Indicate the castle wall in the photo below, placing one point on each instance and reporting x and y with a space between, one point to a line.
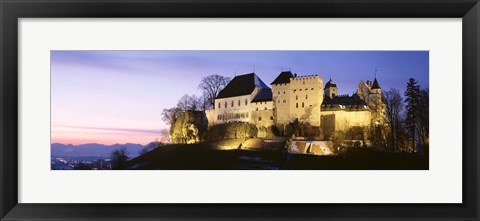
232 109
300 99
306 97
239 108
342 120
281 99
210 116
263 119
264 105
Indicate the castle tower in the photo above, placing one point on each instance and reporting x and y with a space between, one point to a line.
375 96
376 87
331 89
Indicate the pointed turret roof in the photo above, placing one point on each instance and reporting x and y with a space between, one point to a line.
375 84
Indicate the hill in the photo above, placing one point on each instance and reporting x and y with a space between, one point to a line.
93 149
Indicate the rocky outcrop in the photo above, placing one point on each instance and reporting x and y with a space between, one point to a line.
189 127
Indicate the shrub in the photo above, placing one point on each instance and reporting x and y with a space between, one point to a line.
303 129
231 130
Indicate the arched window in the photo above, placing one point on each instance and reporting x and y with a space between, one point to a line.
333 94
297 105
232 103
303 105
296 97
246 101
219 105
238 102
225 104
306 96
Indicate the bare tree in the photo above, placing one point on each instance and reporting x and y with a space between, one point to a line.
169 115
203 102
212 85
190 103
393 107
165 135
184 103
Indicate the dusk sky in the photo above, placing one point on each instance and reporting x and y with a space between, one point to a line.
113 97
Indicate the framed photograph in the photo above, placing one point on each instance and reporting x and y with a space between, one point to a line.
239 110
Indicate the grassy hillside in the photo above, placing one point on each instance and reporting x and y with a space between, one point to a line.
212 157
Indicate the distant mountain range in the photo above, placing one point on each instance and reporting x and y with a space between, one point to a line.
94 150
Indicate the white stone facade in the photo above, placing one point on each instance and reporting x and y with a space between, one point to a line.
294 97
300 99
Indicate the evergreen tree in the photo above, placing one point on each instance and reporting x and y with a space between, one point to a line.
412 98
423 121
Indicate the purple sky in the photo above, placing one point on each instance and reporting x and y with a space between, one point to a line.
117 96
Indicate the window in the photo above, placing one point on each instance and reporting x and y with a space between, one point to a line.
296 105
259 118
311 89
333 94
225 104
246 102
232 103
256 109
306 96
238 102
303 104
306 89
271 117
304 82
284 92
279 92
284 101
278 101
265 108
219 105
300 89
296 97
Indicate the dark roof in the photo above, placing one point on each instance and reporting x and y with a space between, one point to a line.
344 100
283 78
265 94
330 83
375 84
241 85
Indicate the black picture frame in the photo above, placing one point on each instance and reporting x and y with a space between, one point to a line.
12 10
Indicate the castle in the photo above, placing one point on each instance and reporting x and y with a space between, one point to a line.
247 98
